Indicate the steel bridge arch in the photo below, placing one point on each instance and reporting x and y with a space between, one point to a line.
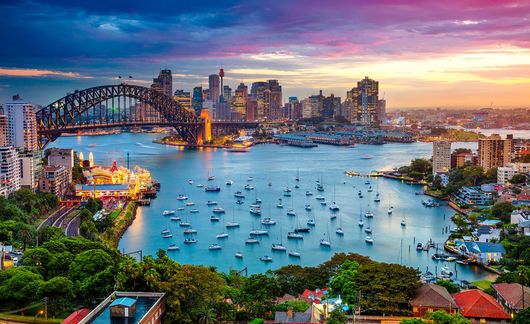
63 115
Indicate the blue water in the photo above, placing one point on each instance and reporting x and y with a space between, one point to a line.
279 165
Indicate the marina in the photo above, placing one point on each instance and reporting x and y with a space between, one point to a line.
260 169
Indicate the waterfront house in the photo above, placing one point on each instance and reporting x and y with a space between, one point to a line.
480 307
519 216
472 196
524 228
487 234
432 298
512 296
482 252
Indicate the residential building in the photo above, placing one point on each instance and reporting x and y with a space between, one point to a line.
240 99
294 109
482 252
260 91
330 106
275 99
381 111
164 82
183 98
432 298
251 109
513 297
197 100
441 156
480 307
62 157
4 128
9 170
291 316
460 160
494 152
472 196
55 179
505 173
519 215
364 102
22 124
214 87
30 168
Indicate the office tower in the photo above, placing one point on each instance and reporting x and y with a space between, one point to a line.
441 156
227 93
294 109
62 157
363 100
330 106
213 84
183 98
164 82
197 100
252 109
275 99
240 99
381 111
22 129
260 91
4 127
494 152
9 170
55 179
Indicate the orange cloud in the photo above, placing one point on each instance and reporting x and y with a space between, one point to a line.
15 72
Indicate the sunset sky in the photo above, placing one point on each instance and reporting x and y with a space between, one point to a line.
466 53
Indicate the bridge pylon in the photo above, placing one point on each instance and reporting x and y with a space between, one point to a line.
206 129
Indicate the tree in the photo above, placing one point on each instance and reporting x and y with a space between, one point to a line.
343 282
522 317
38 258
519 178
422 166
442 317
451 287
297 306
258 294
93 205
473 175
59 291
20 286
502 211
336 317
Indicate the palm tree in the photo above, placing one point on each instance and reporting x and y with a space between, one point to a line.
207 316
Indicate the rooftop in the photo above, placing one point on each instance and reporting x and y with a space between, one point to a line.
432 295
476 303
513 294
124 301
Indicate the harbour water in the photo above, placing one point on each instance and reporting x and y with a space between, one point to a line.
273 168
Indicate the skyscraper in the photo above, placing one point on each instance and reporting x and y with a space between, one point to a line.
275 99
330 106
164 82
227 93
494 152
4 127
258 90
22 124
240 99
213 84
381 111
9 170
252 109
441 156
197 100
183 98
363 100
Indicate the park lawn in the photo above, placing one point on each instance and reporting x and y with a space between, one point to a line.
28 319
482 284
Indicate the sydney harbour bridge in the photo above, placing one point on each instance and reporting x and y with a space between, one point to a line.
125 105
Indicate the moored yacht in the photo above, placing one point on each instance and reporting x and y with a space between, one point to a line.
325 242
266 258
182 197
231 225
239 194
255 210
239 255
251 240
311 222
211 203
168 212
369 240
214 247
259 232
218 210
268 221
295 236
308 193
369 214
291 212
172 247
390 210
333 207
278 247
222 235
229 182
294 254
339 231
190 240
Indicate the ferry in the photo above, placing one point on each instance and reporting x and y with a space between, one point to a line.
168 212
229 182
172 247
239 255
190 240
214 247
255 210
259 232
295 236
182 197
231 225
212 188
214 218
266 258
222 235
294 254
251 240
218 210
278 247
369 240
268 221
339 231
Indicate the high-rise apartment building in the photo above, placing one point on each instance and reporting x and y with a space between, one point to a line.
260 91
494 152
275 99
197 100
22 124
363 100
213 84
55 179
240 99
252 109
9 170
62 157
30 169
381 111
294 109
4 127
164 82
330 106
441 156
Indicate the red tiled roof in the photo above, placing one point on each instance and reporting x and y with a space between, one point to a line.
513 294
76 316
477 304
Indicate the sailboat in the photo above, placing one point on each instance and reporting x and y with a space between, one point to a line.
369 240
361 222
297 175
172 247
339 229
325 242
233 223
294 254
333 207
279 205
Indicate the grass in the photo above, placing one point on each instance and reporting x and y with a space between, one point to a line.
28 319
482 284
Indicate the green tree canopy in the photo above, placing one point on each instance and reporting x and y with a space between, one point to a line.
343 282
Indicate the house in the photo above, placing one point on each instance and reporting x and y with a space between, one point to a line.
315 295
480 307
512 296
483 252
291 316
487 234
519 215
524 228
431 298
472 196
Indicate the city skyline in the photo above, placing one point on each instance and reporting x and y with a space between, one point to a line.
456 54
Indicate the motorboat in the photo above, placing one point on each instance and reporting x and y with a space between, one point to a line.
296 186
211 178
323 203
231 225
166 231
212 188
222 235
251 240
259 232
214 247
302 230
419 246
250 178
169 235
279 205
368 230
287 189
211 203
229 182
295 254
369 240
287 194
333 207
320 198
180 208
320 187
191 203
377 198
333 216
266 258
311 222
239 194
295 236
339 231
239 255
258 201
182 197
369 214
291 212
172 247
248 187
190 231
239 202
190 181
214 218
218 210
175 219
190 240
255 210
450 259
403 222
308 193
361 223
307 207
255 206
184 224
194 211
200 185
446 272
370 189
390 210
268 221
278 247
367 182
325 243
168 212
